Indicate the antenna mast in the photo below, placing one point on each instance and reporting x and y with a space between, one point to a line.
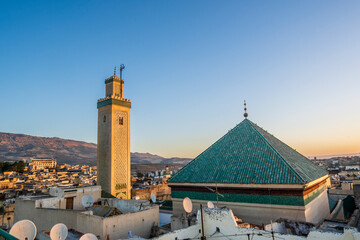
202 224
122 67
217 197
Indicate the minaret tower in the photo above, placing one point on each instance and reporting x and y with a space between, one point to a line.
113 148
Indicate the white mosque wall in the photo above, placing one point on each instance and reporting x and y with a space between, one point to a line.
318 209
313 212
249 212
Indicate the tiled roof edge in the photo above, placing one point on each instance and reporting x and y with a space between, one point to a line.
281 157
189 163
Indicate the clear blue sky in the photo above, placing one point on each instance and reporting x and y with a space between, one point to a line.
189 66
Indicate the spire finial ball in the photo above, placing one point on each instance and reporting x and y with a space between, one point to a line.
245 114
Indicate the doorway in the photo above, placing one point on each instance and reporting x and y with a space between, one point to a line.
69 203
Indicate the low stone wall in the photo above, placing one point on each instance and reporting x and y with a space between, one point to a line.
161 191
44 218
7 218
341 192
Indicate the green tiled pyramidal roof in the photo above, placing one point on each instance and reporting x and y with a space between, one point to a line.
247 154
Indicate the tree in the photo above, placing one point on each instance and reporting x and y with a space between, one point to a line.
19 166
5 166
139 175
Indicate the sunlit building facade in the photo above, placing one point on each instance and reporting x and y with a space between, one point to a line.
42 163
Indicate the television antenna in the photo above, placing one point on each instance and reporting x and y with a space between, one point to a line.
122 67
24 230
88 236
59 232
153 198
202 224
87 201
210 204
217 194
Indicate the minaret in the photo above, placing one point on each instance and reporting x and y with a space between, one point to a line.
113 148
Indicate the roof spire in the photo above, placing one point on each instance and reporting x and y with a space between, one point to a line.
245 114
115 71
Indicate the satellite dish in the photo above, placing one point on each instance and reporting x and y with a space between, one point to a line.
59 232
153 198
187 204
210 204
24 229
88 236
87 201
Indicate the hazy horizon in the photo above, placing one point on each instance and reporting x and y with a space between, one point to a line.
310 157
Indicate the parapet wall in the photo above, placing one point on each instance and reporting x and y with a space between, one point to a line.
220 224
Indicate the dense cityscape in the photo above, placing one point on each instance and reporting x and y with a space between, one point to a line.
35 177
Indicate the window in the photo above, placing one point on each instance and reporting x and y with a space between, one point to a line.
121 120
104 119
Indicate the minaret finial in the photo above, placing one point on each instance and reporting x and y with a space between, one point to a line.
115 71
245 114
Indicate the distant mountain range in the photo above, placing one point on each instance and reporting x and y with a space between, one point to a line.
22 147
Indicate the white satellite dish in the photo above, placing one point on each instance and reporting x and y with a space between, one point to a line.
187 204
88 236
87 201
59 232
210 204
153 197
24 229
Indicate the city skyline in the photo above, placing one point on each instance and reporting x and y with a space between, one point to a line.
189 67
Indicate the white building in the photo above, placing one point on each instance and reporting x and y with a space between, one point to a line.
107 218
42 163
352 167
